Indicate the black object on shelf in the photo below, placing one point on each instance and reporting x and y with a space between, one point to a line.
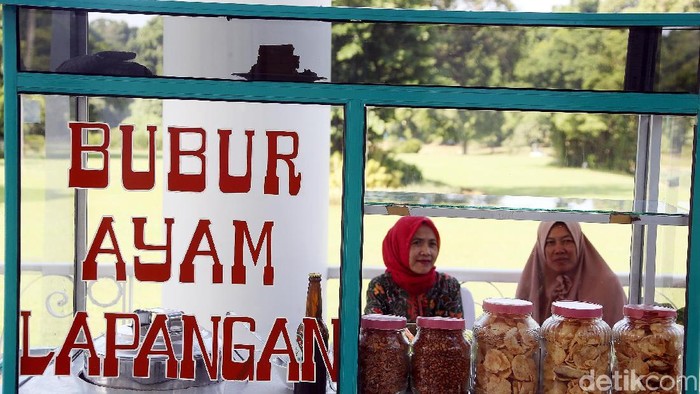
105 63
278 63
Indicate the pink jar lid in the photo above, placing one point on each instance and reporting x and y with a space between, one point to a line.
383 322
510 306
577 309
640 311
441 323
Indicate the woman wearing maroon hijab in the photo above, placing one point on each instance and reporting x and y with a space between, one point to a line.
564 265
410 286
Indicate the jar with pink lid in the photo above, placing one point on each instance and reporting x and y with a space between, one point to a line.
440 363
506 348
576 349
648 347
383 355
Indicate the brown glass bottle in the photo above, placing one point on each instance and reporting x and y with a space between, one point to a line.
314 309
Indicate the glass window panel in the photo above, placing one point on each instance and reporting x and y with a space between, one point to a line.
377 53
335 195
678 61
277 234
505 164
674 188
528 160
582 161
671 267
47 215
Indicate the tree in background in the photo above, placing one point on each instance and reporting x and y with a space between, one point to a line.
474 56
594 59
147 43
477 56
408 54
549 58
104 35
387 54
35 39
678 65
2 99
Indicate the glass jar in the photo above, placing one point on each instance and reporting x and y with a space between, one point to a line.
441 357
383 355
506 349
648 348
576 349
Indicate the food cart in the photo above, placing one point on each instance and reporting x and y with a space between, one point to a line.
223 271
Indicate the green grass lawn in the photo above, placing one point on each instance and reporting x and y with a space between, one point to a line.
466 243
519 174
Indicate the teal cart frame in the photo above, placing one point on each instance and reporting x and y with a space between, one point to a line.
355 99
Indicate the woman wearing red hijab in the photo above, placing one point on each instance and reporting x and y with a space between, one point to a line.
410 286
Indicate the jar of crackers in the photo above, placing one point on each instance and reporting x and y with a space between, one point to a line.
383 355
576 349
648 348
441 357
506 349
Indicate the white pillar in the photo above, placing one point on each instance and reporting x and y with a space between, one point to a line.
215 48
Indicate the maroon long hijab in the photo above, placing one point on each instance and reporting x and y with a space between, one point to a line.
395 250
592 279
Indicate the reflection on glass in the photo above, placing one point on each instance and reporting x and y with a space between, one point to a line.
671 246
459 165
48 238
118 63
49 209
522 160
464 201
380 53
117 44
678 60
47 216
278 63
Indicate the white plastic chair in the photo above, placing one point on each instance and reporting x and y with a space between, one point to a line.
469 313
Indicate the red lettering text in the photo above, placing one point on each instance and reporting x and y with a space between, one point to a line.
90 262
84 177
229 369
177 181
63 358
238 270
131 179
152 272
229 183
31 365
111 363
187 266
141 362
272 181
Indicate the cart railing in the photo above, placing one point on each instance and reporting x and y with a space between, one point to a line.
58 302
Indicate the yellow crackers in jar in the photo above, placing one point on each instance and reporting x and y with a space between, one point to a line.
576 349
648 347
506 348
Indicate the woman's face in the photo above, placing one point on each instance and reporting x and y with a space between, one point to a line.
424 250
560 250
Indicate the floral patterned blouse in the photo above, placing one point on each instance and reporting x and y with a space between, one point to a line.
386 297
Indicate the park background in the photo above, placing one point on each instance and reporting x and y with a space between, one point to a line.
559 155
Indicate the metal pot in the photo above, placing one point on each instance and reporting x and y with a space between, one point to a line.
157 379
